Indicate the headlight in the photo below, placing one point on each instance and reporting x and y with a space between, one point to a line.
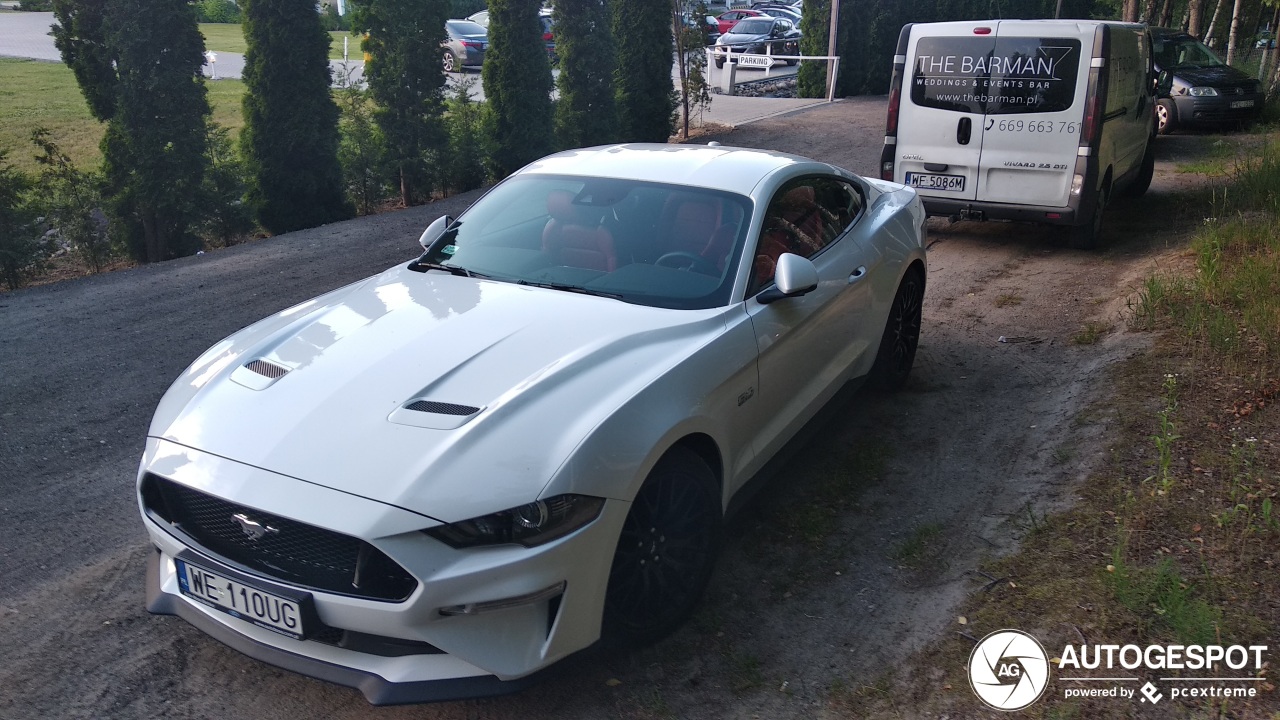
1203 92
530 525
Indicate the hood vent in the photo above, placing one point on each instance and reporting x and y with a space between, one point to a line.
441 408
259 374
433 414
267 369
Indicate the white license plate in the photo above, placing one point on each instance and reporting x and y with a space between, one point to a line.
928 181
1241 104
264 609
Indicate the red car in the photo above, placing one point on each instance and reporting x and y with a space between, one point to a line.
729 19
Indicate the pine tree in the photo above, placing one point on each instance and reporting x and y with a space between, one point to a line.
290 136
586 113
517 85
138 63
646 97
403 44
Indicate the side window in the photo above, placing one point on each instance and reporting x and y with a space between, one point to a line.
804 217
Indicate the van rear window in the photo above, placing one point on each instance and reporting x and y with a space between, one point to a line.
995 76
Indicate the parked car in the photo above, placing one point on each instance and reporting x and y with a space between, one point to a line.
759 36
782 10
435 482
466 45
1195 87
544 17
707 24
731 18
1022 119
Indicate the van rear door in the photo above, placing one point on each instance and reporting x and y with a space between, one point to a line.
1033 83
939 135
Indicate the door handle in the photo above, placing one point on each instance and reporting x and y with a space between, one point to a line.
964 130
858 274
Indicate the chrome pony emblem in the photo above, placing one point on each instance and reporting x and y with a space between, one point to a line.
252 529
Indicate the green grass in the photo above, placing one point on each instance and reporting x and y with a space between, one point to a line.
225 37
41 94
1216 163
1163 600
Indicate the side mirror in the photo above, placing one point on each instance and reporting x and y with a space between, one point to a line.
1164 83
794 276
434 231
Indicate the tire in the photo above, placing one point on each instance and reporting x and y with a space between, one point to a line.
1166 116
1089 235
450 62
666 551
1145 173
901 336
719 62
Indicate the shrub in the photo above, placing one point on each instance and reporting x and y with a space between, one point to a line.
517 86
331 21
226 217
360 146
72 202
217 11
36 5
19 243
465 121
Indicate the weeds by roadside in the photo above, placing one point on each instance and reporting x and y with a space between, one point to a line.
1176 538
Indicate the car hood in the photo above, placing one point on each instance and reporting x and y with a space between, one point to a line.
1210 76
510 379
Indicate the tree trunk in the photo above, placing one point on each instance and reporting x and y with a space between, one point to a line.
1131 10
1208 38
1149 12
1235 30
1166 15
1195 17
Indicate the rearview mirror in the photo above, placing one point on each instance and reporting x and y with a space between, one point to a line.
434 231
794 276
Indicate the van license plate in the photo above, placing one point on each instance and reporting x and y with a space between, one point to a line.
1241 104
264 609
928 181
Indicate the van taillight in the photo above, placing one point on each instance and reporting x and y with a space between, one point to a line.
982 31
895 99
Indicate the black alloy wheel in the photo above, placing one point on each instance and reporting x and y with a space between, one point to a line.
666 551
901 337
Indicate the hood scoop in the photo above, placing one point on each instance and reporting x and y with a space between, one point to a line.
259 374
433 414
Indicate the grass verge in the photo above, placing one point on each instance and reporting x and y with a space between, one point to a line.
227 37
1176 537
42 94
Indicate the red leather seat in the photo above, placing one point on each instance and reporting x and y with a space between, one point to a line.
573 240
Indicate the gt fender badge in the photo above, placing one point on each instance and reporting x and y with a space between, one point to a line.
750 393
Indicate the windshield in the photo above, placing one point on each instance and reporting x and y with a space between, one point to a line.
465 27
1184 52
645 243
753 26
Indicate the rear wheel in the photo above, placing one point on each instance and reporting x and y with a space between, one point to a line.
1166 116
901 335
450 62
665 552
1089 235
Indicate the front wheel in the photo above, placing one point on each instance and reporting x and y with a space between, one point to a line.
666 551
901 335
1166 116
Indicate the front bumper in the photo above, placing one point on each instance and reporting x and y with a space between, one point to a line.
1217 109
465 655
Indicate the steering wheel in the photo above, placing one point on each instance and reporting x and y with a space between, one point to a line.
682 260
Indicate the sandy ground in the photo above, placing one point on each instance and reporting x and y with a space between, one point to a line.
985 435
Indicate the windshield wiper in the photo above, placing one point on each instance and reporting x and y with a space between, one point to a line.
451 269
570 288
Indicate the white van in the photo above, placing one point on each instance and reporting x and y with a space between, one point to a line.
1035 120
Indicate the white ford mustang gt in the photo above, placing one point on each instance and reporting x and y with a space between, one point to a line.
440 480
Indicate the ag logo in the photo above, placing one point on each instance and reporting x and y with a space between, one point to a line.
1008 670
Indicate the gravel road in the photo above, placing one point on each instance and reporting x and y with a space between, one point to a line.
984 433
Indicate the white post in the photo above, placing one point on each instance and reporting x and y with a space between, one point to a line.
344 47
833 64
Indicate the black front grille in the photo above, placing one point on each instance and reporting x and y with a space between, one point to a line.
287 550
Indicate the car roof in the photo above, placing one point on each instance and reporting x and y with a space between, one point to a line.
732 169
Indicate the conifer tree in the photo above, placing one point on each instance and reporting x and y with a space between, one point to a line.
403 45
646 96
586 113
290 136
517 86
